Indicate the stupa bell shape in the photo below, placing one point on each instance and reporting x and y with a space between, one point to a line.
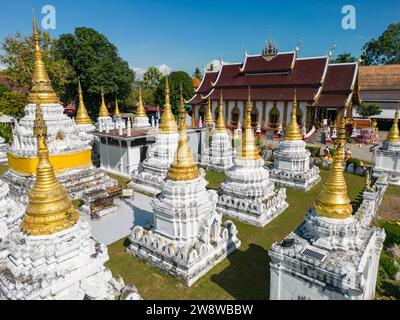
387 157
141 119
248 194
292 165
152 172
188 233
53 255
219 156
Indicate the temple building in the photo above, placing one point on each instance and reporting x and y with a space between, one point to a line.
52 255
387 157
188 237
248 194
70 155
330 255
153 171
219 156
324 90
141 119
292 165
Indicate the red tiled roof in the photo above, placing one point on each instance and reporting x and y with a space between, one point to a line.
379 77
334 100
204 87
257 64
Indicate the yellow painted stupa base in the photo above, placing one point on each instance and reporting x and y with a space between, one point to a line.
62 163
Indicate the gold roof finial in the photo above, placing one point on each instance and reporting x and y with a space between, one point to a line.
209 117
140 112
220 121
249 148
393 135
168 124
182 111
82 116
293 132
333 200
116 111
49 209
183 168
103 108
41 84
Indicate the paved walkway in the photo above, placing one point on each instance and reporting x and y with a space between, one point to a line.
117 225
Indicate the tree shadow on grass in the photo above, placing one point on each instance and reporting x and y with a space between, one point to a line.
247 276
357 201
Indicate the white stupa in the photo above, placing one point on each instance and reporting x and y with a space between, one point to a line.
188 236
248 194
141 119
292 165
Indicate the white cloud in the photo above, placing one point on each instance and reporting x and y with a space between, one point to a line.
138 72
164 69
216 64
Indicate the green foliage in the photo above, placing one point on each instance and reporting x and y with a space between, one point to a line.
3 89
152 78
392 230
18 57
12 103
356 162
98 64
387 263
384 50
380 279
5 132
77 203
344 57
175 79
368 110
313 150
133 97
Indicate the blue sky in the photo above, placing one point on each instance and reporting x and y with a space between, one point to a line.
187 34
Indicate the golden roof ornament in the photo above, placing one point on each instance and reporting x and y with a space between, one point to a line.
116 111
249 148
393 135
168 124
182 111
293 132
220 121
103 108
82 116
209 117
41 90
333 200
49 209
183 168
140 112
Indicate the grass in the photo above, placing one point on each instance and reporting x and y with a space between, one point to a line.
214 179
245 273
389 208
3 168
121 180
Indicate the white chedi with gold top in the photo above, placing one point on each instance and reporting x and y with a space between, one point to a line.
248 194
152 172
292 165
188 237
219 156
387 157
141 119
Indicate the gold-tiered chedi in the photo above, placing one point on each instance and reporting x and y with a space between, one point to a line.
49 209
209 120
82 116
117 113
249 149
103 108
141 119
168 124
394 135
293 132
220 120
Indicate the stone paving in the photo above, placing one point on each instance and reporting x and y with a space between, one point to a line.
115 226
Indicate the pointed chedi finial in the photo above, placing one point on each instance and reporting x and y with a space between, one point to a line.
184 167
41 84
117 113
140 112
220 121
393 135
82 116
209 117
182 111
293 132
333 200
49 209
168 124
249 148
103 108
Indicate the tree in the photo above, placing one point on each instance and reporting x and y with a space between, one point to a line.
147 95
175 79
344 57
197 74
98 64
19 60
368 110
152 78
12 103
385 50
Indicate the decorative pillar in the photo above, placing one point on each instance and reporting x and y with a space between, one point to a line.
285 114
264 109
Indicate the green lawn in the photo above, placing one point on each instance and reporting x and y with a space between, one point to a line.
3 169
244 274
214 179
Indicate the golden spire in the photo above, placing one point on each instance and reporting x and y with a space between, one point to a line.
140 112
116 111
103 108
209 118
220 121
393 135
41 85
182 111
341 134
82 116
293 132
193 117
333 201
183 168
168 124
249 148
49 209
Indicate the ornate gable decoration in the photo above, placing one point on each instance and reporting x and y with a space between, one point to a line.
270 50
